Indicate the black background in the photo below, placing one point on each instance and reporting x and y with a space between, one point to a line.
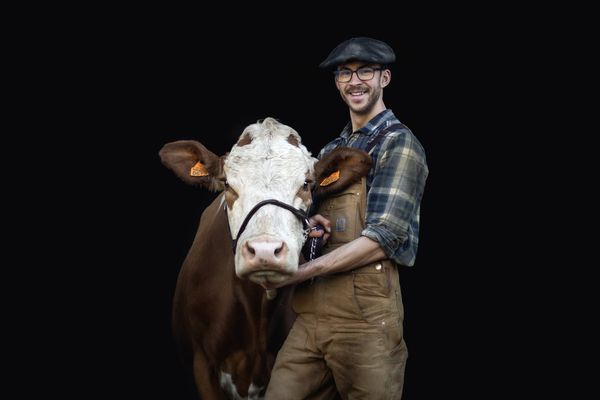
124 88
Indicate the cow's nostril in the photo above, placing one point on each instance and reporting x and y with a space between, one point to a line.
278 250
250 249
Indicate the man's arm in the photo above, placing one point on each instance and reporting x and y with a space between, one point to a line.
361 251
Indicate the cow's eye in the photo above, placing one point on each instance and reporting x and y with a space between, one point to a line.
223 179
306 185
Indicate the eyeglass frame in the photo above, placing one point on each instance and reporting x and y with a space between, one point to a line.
336 73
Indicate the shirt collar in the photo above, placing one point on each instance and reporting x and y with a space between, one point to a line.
376 123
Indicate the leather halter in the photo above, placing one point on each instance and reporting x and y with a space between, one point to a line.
297 212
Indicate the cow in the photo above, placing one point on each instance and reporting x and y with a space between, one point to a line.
227 327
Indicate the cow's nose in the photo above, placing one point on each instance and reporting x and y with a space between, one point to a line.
264 254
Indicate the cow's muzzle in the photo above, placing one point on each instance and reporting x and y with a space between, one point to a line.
265 259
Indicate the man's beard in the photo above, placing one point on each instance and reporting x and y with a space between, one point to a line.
373 95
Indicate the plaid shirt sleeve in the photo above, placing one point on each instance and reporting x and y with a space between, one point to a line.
393 203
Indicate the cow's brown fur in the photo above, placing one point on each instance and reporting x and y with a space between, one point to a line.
353 164
244 140
293 140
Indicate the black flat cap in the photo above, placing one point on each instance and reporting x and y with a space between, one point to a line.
360 49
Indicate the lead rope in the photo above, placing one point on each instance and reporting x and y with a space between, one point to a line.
315 243
313 249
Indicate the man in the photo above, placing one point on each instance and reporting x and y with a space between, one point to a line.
348 338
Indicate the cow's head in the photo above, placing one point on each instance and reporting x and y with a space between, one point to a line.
268 162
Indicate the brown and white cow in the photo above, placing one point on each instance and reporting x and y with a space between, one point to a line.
227 327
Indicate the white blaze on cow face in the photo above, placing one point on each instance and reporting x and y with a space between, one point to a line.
268 162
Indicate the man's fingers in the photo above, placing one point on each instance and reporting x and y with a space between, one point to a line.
318 219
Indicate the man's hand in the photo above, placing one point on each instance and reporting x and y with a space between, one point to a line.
321 227
317 237
316 220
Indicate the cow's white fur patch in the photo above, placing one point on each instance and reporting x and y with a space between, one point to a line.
232 393
269 167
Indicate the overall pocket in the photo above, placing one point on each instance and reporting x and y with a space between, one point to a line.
343 210
374 295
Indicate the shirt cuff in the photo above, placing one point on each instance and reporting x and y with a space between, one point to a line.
389 241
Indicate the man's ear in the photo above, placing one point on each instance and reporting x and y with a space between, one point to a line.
193 163
386 77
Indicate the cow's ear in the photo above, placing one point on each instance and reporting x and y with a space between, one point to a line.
193 163
339 169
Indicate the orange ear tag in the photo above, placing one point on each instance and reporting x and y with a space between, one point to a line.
330 179
198 170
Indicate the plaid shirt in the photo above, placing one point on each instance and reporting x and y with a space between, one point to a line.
395 185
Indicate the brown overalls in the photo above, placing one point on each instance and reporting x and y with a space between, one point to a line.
348 336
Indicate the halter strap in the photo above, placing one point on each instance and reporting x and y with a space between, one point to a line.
297 212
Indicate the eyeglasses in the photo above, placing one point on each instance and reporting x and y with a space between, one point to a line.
363 73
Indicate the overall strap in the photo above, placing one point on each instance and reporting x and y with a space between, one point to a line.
381 134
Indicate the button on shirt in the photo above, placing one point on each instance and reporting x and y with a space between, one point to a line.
395 184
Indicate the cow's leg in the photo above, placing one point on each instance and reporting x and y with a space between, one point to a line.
207 381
